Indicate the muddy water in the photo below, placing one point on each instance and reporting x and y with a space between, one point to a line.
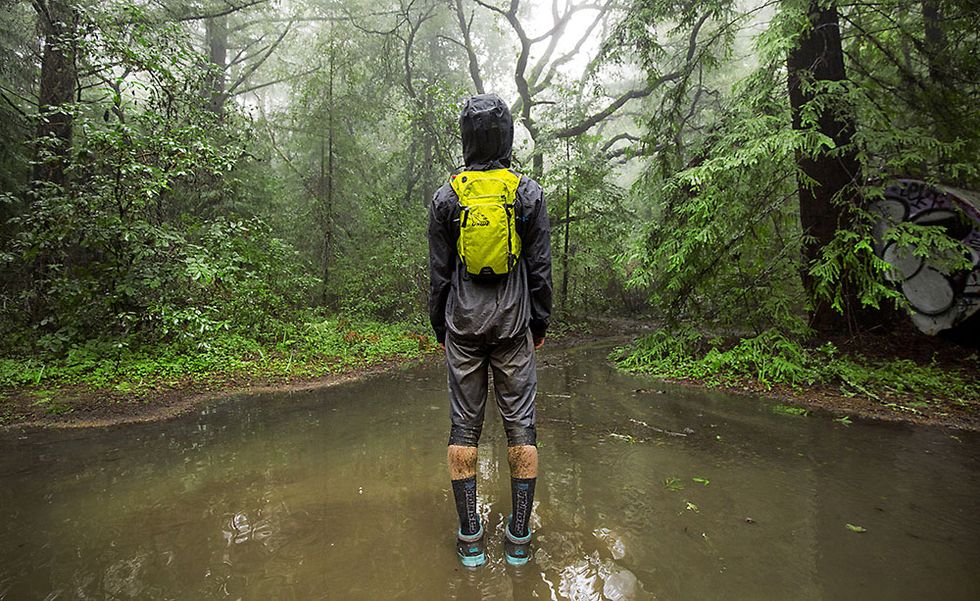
342 494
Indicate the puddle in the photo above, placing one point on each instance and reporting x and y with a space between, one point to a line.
648 491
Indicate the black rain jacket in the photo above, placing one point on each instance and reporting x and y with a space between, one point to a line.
481 310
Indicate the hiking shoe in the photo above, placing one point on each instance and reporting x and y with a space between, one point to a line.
517 549
470 548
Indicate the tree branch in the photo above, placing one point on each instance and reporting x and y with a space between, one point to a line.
232 8
12 104
561 60
275 146
587 123
467 44
561 20
258 63
275 81
500 11
617 138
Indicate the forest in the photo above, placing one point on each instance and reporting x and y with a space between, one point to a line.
209 192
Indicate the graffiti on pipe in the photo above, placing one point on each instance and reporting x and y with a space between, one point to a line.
938 301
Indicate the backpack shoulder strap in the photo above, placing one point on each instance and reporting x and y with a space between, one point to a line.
521 206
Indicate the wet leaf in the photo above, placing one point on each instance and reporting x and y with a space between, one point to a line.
673 484
692 507
790 410
854 528
700 480
843 420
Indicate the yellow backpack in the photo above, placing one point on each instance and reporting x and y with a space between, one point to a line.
488 242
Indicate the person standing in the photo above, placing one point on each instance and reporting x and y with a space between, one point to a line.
490 297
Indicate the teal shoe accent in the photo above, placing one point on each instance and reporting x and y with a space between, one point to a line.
473 561
518 555
470 549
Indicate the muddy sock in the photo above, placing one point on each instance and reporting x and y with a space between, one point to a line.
465 492
522 497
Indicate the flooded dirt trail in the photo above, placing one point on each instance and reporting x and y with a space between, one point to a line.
647 491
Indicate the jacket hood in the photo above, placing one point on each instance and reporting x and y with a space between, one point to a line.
488 132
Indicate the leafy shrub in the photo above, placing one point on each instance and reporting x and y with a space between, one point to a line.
771 358
302 348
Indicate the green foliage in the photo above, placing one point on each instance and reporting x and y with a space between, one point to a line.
723 222
585 196
875 378
721 230
933 243
362 224
298 349
769 358
662 354
389 278
913 92
641 33
156 282
773 359
147 243
849 263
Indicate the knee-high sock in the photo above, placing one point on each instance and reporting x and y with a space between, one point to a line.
465 492
522 497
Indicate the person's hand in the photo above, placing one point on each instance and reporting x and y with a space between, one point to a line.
538 342
442 345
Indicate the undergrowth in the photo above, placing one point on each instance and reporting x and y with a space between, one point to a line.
311 348
772 358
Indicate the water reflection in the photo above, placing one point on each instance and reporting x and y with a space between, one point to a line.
342 494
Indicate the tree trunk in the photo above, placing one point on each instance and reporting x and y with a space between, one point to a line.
947 125
935 40
328 181
216 29
428 164
537 156
537 161
823 208
568 223
472 59
429 140
57 21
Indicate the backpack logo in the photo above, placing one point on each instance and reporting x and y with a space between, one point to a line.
488 241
